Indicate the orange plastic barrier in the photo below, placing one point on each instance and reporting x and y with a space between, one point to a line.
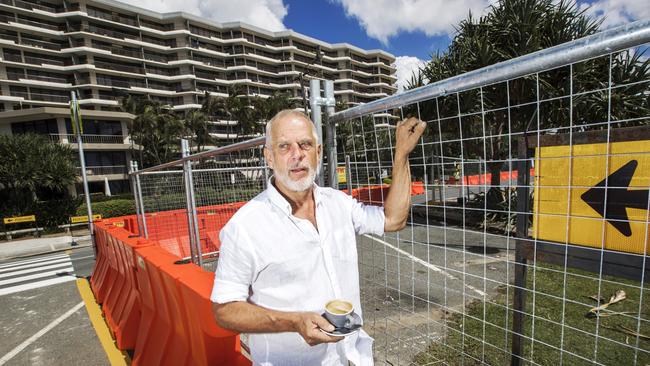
376 195
158 308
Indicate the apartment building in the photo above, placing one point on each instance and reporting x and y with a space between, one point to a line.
105 49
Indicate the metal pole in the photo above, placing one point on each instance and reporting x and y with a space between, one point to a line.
331 134
135 198
348 174
519 296
192 219
314 104
82 162
138 188
599 44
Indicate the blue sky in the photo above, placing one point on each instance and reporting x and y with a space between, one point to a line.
330 24
409 29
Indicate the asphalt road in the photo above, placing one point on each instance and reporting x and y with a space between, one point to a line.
43 320
412 281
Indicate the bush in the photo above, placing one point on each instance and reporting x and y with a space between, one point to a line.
112 208
101 197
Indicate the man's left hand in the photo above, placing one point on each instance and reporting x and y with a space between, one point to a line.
407 136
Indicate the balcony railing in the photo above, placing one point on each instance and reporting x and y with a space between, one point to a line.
32 6
57 27
118 67
88 139
104 170
40 44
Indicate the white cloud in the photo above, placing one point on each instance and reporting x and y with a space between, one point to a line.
267 14
383 19
406 66
617 12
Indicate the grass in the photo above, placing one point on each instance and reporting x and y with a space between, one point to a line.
559 332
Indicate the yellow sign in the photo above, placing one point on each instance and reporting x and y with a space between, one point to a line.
340 172
78 219
593 195
19 219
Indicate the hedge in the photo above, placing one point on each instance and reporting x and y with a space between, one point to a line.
112 208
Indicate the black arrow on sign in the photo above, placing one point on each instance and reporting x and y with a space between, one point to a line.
618 197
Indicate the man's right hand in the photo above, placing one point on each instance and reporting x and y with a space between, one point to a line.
309 326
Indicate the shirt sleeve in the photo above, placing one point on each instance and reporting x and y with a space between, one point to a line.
367 219
235 268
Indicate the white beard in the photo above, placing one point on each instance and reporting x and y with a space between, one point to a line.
299 185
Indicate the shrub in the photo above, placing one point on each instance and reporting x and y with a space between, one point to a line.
112 208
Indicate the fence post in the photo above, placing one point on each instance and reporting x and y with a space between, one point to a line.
132 169
77 126
314 105
331 134
523 206
348 174
192 220
139 193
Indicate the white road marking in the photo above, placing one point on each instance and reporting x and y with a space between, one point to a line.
11 354
33 285
424 263
35 260
35 276
34 265
32 270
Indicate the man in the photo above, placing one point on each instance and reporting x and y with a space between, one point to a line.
292 248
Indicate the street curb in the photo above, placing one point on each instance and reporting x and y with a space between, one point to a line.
41 252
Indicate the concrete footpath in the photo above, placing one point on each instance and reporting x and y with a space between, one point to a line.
26 247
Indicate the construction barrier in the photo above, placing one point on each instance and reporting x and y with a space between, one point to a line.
154 306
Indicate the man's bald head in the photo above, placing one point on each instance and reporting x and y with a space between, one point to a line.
283 114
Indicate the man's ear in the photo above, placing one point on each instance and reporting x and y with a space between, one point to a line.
268 156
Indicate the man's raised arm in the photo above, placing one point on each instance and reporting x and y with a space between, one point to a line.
397 203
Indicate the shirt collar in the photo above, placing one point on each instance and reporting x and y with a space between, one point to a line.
278 199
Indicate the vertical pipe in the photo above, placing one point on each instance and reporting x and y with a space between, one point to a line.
135 198
139 190
188 201
82 161
332 163
314 104
193 222
348 174
519 296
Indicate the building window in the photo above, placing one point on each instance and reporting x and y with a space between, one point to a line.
98 127
105 158
41 127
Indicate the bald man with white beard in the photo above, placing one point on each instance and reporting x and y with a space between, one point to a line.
292 248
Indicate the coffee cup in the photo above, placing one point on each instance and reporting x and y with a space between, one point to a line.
338 312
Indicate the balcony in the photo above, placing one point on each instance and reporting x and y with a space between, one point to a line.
103 170
118 67
88 139
32 6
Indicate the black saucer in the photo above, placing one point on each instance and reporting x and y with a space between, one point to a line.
352 326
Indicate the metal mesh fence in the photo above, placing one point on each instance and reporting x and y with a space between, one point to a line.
527 236
189 202
528 244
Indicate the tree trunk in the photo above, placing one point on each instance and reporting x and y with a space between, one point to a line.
494 195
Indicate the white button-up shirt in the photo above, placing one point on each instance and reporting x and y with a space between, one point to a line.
278 261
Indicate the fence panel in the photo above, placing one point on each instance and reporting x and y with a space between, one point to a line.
178 209
529 242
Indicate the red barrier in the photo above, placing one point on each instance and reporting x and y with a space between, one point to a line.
210 344
100 271
160 309
154 332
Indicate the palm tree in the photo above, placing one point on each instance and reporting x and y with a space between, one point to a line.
33 168
510 29
196 126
